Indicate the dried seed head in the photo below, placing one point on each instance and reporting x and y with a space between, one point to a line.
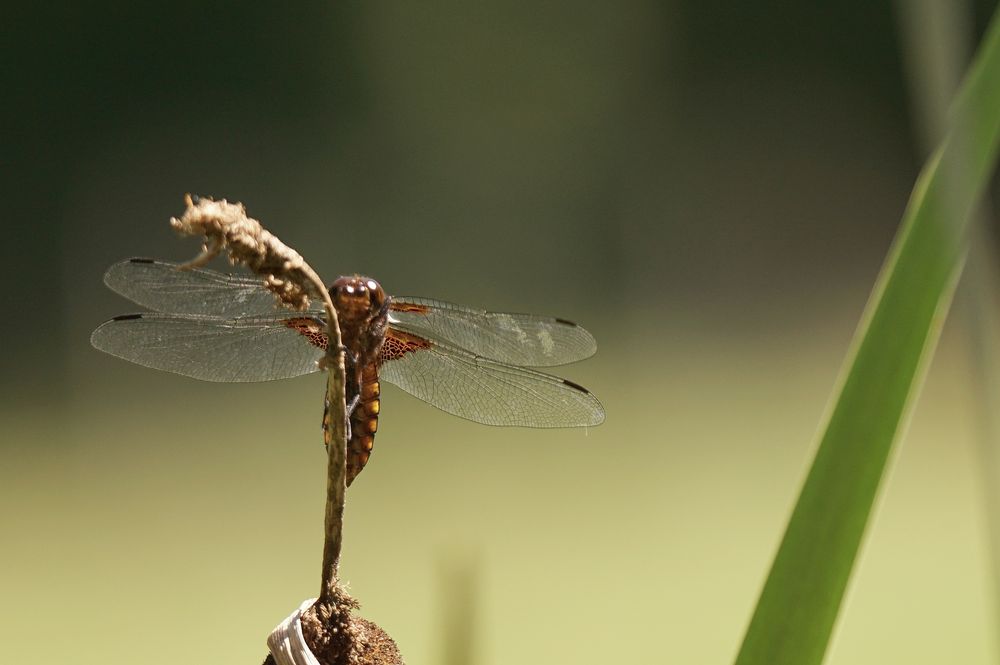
225 226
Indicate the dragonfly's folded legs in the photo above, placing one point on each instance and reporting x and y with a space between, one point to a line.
327 432
353 388
352 404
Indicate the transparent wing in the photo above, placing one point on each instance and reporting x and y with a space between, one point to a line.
163 287
258 348
515 339
487 391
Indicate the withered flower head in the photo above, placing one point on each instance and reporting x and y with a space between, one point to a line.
226 226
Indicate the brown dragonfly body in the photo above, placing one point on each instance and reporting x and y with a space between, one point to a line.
472 363
363 314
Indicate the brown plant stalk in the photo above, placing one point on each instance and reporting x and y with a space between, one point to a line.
333 634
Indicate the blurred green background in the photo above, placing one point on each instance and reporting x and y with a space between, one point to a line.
709 187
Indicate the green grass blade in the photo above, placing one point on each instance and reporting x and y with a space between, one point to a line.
801 597
935 42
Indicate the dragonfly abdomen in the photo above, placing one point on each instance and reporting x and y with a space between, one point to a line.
364 423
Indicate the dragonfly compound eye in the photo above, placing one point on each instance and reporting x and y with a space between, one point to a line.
375 293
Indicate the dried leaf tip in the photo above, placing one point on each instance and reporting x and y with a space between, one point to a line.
226 226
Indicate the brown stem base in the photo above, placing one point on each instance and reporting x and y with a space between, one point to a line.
337 636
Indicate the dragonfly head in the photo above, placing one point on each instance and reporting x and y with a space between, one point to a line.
357 298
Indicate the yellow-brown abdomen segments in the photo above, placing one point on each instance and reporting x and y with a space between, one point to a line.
364 423
364 419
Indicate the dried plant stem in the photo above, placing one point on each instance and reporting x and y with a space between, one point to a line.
329 628
226 227
336 467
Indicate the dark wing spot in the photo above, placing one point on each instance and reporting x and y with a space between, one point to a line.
127 317
141 261
311 329
576 385
566 322
398 343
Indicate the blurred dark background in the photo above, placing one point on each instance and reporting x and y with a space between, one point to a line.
708 186
637 155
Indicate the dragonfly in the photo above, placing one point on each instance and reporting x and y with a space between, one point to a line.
472 363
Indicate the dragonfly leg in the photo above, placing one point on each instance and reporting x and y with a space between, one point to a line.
327 425
353 388
353 395
353 404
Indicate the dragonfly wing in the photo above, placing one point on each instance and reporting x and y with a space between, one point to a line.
246 349
515 339
164 287
484 390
